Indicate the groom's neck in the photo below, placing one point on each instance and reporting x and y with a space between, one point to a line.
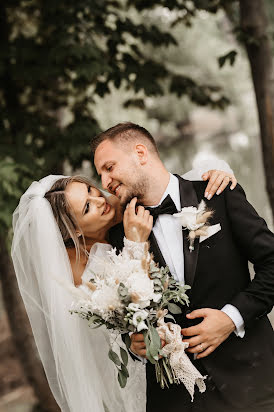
158 179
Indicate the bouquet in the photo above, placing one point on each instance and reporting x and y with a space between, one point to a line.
130 295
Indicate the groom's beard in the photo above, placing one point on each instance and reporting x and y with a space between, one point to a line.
137 189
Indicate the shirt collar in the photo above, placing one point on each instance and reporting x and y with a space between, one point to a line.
173 190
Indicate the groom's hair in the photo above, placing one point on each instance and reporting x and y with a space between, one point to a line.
124 133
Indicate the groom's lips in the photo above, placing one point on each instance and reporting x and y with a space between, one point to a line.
115 189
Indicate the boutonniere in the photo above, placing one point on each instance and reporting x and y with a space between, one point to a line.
195 220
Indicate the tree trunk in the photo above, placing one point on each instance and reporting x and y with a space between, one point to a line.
254 25
22 334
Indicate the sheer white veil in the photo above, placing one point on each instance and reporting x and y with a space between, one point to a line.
80 375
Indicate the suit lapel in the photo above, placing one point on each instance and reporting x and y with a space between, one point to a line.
188 197
154 248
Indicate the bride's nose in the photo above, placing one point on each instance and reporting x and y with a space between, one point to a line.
98 200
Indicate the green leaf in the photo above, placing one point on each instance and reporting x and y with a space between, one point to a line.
173 308
114 357
124 356
127 340
148 342
124 370
122 379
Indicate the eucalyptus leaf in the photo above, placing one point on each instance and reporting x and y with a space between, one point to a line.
122 379
175 309
114 357
127 340
124 370
124 356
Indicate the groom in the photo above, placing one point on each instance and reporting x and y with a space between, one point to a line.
230 337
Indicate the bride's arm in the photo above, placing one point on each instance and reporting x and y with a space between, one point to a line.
217 171
137 226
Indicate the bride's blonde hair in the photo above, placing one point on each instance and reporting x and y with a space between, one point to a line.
64 215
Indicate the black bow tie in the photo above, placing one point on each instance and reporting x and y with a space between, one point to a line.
166 207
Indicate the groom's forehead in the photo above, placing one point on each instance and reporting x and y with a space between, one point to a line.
105 152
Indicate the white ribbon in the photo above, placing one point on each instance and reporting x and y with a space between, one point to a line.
184 371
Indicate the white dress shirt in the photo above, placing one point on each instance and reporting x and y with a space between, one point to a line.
168 233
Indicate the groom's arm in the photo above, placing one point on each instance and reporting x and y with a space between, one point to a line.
257 243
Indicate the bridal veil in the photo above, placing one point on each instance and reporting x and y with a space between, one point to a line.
80 375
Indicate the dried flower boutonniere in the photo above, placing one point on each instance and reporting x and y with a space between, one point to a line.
195 220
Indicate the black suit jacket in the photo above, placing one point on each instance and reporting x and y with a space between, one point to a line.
217 271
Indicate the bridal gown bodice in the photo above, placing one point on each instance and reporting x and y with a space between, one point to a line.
134 395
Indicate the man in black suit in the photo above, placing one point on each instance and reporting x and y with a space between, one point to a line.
230 337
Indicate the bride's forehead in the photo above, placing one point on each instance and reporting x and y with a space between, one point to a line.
76 192
76 187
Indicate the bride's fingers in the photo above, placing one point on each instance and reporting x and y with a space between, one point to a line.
140 211
215 181
146 216
234 182
150 222
223 185
131 206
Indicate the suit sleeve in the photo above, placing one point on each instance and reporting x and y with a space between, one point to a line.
257 244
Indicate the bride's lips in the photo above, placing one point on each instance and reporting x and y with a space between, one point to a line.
106 209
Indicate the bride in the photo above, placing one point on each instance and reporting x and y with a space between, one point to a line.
55 240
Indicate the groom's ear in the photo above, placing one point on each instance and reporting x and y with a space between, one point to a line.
142 153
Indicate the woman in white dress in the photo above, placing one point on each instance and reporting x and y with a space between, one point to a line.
59 225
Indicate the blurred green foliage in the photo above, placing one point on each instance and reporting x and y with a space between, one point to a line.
56 57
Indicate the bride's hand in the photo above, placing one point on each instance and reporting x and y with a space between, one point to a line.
218 181
137 222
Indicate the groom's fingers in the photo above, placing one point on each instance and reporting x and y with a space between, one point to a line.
137 337
198 313
194 341
206 352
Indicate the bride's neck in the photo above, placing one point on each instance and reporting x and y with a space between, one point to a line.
90 242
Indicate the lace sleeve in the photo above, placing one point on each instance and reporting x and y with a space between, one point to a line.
203 166
134 250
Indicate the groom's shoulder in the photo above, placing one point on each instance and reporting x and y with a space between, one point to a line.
199 187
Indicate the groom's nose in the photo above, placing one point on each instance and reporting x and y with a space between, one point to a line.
106 180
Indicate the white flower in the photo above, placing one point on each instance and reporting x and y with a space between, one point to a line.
105 298
157 297
142 286
134 307
138 320
188 216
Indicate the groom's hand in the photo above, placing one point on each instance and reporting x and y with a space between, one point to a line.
138 345
205 337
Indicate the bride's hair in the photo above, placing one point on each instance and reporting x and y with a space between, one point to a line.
63 213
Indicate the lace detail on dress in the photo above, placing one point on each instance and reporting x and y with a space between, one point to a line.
134 250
